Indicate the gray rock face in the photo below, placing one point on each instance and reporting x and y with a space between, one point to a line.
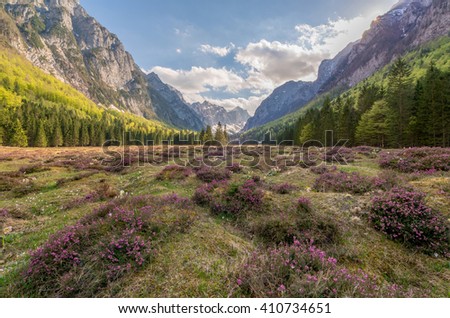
62 39
408 24
179 114
284 100
212 114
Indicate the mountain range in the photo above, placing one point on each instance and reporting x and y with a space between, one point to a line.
407 25
62 39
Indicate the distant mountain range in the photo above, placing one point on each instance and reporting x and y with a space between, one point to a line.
211 114
407 25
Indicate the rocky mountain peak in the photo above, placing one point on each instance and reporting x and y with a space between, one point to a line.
407 25
61 38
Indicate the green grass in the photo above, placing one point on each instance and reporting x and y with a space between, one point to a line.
205 260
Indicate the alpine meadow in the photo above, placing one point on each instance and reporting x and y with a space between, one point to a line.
271 154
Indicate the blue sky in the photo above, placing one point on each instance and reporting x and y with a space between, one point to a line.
234 52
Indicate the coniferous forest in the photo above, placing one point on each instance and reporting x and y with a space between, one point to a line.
405 113
37 110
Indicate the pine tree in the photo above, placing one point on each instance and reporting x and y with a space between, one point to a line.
219 134
373 128
208 134
202 136
307 133
18 137
84 135
226 137
399 100
57 137
41 137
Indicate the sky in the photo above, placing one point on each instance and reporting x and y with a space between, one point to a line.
234 52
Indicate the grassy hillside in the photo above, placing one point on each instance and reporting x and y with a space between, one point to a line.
436 52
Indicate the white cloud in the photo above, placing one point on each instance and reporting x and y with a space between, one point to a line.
280 62
199 80
333 36
268 64
178 51
217 50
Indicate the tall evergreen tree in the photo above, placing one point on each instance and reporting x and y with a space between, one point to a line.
208 134
41 137
399 99
17 136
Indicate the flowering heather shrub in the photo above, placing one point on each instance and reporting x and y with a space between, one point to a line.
304 205
304 271
403 216
118 237
4 213
322 169
204 194
33 169
387 180
174 173
208 174
344 182
123 253
235 168
416 159
339 155
238 198
230 199
284 188
366 151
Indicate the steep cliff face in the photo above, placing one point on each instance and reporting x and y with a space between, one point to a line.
282 101
213 114
61 38
407 25
179 114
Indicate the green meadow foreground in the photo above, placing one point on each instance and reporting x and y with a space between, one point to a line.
74 227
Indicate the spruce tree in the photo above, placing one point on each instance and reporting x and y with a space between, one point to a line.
399 100
41 137
57 138
17 137
208 134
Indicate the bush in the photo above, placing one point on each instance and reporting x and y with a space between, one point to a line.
33 169
284 188
237 199
209 174
303 271
304 205
416 160
235 168
174 173
344 182
204 194
403 216
119 237
231 199
322 169
340 155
